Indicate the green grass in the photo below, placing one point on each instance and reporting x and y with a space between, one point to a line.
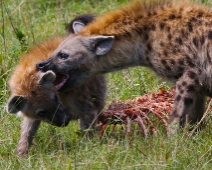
23 23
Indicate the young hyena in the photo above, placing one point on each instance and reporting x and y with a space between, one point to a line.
34 94
173 38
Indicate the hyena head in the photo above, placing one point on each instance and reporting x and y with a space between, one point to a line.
40 101
77 56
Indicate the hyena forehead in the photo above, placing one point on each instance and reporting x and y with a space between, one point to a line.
72 42
75 44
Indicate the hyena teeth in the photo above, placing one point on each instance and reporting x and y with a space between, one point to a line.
60 80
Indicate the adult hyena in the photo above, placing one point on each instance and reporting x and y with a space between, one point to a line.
34 94
173 38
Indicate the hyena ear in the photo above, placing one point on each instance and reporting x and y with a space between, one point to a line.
77 26
47 78
100 45
16 104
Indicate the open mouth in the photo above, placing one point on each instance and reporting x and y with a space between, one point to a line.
60 80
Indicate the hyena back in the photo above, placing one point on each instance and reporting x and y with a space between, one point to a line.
35 96
173 38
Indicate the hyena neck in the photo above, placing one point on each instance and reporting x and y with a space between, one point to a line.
122 55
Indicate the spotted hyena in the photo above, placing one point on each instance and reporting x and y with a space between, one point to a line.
173 38
34 94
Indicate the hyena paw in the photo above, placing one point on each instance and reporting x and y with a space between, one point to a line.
22 150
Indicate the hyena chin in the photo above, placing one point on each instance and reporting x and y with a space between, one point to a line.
173 38
35 96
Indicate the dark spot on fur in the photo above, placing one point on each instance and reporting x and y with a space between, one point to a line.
202 40
149 14
179 87
125 22
162 25
153 27
174 50
200 14
183 33
161 44
127 34
181 91
190 27
189 62
179 17
193 19
184 83
209 57
163 62
165 53
195 41
139 31
178 76
172 16
210 34
188 100
169 36
179 41
200 22
149 46
168 68
146 36
168 29
191 74
172 62
181 62
180 69
196 81
207 24
178 98
145 28
190 88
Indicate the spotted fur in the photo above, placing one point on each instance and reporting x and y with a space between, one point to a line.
173 38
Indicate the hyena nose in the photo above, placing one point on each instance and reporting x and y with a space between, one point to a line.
40 65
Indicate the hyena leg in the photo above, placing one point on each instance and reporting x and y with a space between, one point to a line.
29 128
199 108
188 94
89 120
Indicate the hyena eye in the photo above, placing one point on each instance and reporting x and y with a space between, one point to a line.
62 55
41 112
